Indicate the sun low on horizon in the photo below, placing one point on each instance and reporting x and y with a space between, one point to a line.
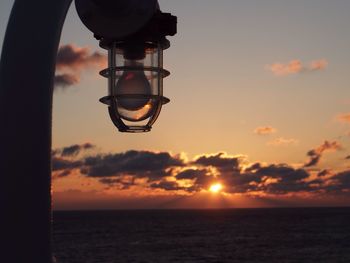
216 187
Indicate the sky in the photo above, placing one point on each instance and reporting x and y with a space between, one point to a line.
260 104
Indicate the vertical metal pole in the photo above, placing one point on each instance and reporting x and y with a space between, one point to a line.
27 69
112 69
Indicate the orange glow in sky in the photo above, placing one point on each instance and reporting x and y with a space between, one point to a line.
215 188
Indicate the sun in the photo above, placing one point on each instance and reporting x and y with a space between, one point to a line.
215 188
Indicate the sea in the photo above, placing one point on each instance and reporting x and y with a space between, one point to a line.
223 235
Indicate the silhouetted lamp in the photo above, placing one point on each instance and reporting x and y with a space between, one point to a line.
135 65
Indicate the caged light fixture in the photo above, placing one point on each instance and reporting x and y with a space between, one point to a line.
135 72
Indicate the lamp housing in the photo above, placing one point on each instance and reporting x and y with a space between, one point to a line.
134 33
135 83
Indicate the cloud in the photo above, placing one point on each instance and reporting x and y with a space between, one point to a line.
75 149
72 150
283 142
59 164
64 162
140 164
221 161
190 174
318 64
338 184
202 178
296 66
343 180
344 118
167 185
65 80
149 170
271 179
278 69
121 183
316 154
284 171
72 60
265 130
324 172
165 171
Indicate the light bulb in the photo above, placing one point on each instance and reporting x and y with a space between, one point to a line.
134 101
133 83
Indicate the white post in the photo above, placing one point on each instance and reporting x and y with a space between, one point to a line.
27 69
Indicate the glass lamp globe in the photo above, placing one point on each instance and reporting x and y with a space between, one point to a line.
135 76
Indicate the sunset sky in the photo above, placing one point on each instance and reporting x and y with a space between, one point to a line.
260 103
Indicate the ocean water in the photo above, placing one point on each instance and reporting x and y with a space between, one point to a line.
235 235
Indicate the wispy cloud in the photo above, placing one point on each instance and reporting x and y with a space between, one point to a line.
316 154
76 58
343 117
75 149
72 60
264 130
279 69
65 80
281 141
296 66
318 64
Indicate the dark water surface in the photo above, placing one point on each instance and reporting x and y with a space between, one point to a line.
237 235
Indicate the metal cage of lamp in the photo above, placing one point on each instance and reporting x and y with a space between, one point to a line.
134 33
135 83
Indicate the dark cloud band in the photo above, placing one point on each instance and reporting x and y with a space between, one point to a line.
162 170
